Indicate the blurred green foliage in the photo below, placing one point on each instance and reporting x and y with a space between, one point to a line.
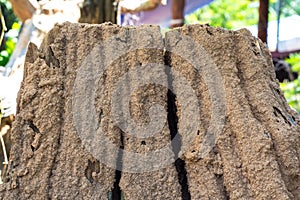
234 14
11 37
288 8
10 43
291 89
8 13
228 14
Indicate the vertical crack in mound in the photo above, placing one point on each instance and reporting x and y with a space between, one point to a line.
183 180
148 170
190 60
116 191
277 112
176 144
220 181
33 127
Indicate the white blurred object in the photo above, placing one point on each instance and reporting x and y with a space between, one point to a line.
289 34
132 4
34 29
56 11
34 3
135 4
8 96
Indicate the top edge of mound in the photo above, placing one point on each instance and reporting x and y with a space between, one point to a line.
210 30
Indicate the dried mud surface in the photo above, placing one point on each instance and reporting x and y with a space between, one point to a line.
254 155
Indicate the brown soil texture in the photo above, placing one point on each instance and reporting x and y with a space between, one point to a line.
245 144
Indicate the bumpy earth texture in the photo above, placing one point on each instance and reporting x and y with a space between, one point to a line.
226 131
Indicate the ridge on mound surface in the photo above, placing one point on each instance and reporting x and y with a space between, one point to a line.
106 111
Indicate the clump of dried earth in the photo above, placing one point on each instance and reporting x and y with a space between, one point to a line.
234 134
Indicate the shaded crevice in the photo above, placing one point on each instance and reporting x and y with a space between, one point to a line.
32 148
176 142
100 119
208 31
277 113
279 95
220 181
51 60
116 191
33 127
227 197
182 178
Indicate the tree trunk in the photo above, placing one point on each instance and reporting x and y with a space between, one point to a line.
23 9
98 11
263 20
105 110
177 13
